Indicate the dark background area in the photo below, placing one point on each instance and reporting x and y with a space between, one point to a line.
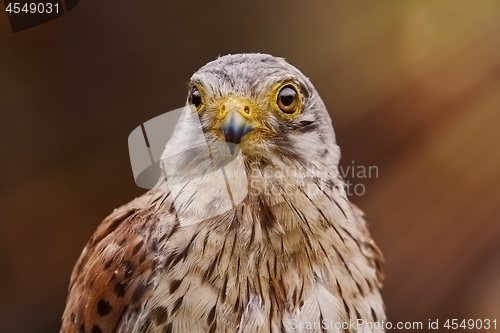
413 88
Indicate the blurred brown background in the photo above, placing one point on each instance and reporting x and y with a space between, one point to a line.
413 87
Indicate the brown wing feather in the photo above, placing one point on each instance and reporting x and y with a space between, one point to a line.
113 275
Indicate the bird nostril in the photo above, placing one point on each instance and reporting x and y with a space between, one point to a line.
247 109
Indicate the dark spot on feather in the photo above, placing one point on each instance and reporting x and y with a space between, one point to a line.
119 289
73 317
81 329
143 257
370 284
191 242
260 284
174 285
211 315
264 162
233 247
128 268
169 259
154 245
205 242
174 259
96 329
360 289
177 304
374 315
137 247
343 261
160 315
213 327
139 292
323 250
308 126
237 305
346 308
276 261
248 288
252 235
338 233
103 307
108 263
208 273
162 239
339 207
169 328
221 252
339 288
238 271
301 292
122 242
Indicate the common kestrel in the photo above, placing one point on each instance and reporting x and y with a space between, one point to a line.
294 255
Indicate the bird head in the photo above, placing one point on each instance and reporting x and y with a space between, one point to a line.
265 106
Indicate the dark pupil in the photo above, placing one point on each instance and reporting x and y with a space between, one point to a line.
287 96
196 98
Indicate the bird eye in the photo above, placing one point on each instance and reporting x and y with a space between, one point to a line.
287 99
195 98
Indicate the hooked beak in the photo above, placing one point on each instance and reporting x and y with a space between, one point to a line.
234 124
235 127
